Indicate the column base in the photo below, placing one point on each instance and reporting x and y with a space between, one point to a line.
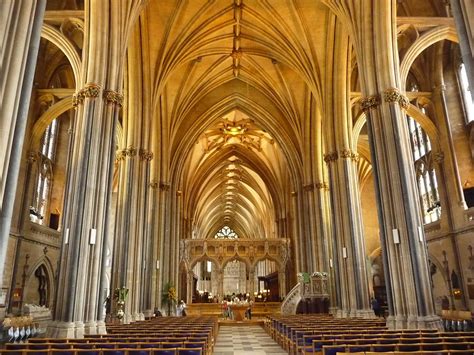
365 313
414 322
353 313
333 311
65 330
90 327
79 330
148 313
430 322
101 328
127 318
341 313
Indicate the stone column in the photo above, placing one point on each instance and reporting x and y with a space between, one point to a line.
251 288
88 189
462 13
282 282
372 26
348 230
20 26
220 283
130 253
190 290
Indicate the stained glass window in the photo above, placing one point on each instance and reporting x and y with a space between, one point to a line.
424 165
425 172
45 173
466 91
226 233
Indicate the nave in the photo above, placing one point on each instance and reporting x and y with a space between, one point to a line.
244 339
275 334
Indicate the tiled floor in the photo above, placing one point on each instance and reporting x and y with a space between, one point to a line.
245 340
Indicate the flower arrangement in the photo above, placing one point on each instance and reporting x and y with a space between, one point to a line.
169 297
120 295
18 322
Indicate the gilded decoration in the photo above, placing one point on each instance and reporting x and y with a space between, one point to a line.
91 90
113 98
349 154
121 154
145 155
131 151
331 157
393 95
164 186
369 102
322 185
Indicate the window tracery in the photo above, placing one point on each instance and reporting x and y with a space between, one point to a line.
226 233
46 160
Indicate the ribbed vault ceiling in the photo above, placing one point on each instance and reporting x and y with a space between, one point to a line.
261 63
233 79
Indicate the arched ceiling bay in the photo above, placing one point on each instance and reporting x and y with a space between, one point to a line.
233 177
231 84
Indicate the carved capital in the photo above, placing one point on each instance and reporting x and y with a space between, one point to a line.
153 184
146 155
120 155
438 157
346 153
308 187
349 154
393 95
322 185
131 151
113 98
91 90
331 157
164 186
369 102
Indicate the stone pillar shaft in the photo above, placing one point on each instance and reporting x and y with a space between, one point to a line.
372 27
21 21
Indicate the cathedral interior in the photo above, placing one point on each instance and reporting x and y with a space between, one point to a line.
230 146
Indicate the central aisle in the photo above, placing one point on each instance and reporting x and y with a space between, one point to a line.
242 340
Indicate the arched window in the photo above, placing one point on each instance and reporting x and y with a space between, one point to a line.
466 93
424 168
226 233
46 159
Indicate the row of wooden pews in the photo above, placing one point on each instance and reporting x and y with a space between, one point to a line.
161 335
322 334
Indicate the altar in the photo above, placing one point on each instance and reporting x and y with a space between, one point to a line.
259 309
239 311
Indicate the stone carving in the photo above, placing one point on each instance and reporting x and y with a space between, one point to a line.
113 98
369 102
91 90
393 95
250 250
145 155
330 157
314 286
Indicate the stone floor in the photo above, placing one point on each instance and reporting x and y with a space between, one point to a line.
243 340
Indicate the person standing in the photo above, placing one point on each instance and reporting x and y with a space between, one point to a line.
181 310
